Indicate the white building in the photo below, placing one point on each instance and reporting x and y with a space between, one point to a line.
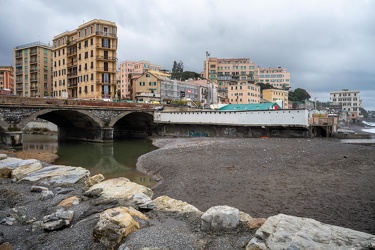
349 100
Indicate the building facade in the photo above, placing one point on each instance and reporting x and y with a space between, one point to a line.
243 93
7 79
145 87
277 77
277 95
128 67
349 100
222 71
84 61
33 70
195 91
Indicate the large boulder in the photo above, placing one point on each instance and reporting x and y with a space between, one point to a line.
57 174
7 165
165 203
26 167
114 224
220 218
289 232
119 188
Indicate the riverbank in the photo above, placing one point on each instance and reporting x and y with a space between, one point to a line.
242 176
316 178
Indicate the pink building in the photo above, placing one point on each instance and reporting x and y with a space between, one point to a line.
128 67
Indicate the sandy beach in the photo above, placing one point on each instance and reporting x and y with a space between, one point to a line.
322 179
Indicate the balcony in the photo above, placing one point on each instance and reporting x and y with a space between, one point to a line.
19 89
33 52
71 75
34 70
71 52
101 33
102 69
72 85
33 61
105 46
224 78
72 64
19 80
18 55
18 72
33 79
108 58
106 82
34 87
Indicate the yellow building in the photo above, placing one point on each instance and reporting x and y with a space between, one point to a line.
33 70
275 95
243 93
84 61
146 85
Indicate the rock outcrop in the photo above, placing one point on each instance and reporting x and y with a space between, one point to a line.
220 218
290 232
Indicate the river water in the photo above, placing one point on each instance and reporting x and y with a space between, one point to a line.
112 159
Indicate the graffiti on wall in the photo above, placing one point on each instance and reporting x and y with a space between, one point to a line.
193 133
230 131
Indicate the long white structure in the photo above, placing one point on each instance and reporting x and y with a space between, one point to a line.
289 118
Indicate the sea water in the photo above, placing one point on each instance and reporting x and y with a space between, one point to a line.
370 127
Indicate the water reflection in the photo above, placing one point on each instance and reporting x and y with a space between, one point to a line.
110 159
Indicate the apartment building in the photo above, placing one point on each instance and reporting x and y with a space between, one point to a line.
349 100
145 87
195 91
277 95
128 67
6 79
33 70
84 61
222 71
243 93
277 77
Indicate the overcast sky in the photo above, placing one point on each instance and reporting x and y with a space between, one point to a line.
326 45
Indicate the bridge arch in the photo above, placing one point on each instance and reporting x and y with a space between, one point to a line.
134 124
60 117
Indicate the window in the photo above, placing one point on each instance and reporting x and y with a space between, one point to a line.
92 53
92 65
106 43
86 54
92 88
142 84
86 43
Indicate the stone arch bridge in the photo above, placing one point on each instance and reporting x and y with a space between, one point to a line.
77 122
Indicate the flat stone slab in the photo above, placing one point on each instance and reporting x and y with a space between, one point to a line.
57 174
119 188
290 232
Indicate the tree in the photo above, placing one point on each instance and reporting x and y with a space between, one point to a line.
178 67
298 95
264 86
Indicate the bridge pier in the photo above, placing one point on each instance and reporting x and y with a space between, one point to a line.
86 134
11 139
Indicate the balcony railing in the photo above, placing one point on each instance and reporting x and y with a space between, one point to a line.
20 89
33 61
33 52
109 58
18 55
33 79
105 46
71 64
19 80
33 70
18 72
113 70
101 33
72 53
105 83
72 75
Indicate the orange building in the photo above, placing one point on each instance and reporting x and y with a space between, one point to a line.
6 79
